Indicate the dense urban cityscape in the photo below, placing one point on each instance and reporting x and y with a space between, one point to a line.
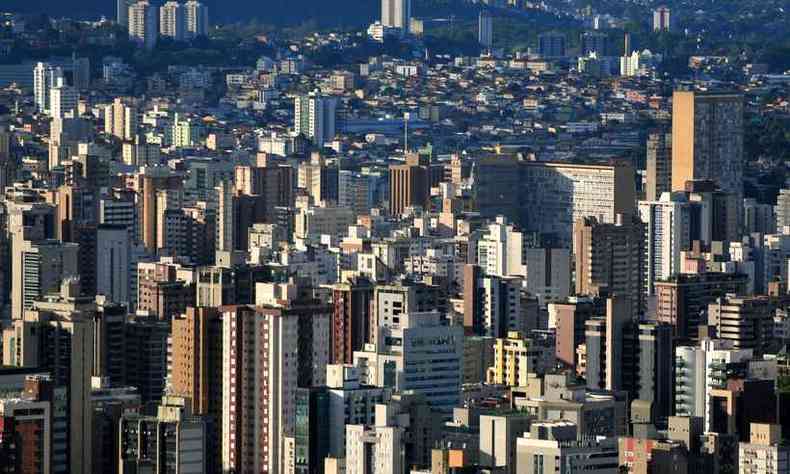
395 237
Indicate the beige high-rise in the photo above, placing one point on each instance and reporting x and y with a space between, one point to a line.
707 139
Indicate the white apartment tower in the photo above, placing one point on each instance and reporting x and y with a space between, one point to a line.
196 17
396 14
668 223
45 77
314 117
63 100
172 20
143 24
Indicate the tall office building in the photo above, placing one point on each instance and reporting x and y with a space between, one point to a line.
314 117
551 45
143 24
707 140
485 29
416 348
396 14
172 20
667 224
409 185
196 18
610 259
661 19
659 165
45 77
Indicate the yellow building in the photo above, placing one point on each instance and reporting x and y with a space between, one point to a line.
513 361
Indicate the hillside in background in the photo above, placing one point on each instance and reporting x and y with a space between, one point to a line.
273 12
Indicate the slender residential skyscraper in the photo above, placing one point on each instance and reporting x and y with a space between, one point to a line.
314 117
661 19
659 165
396 14
143 24
485 33
172 22
707 140
45 77
196 17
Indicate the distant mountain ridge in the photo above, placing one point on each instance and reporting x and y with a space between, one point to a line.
274 12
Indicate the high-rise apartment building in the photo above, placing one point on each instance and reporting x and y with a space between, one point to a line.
159 184
57 336
352 302
39 267
375 449
667 223
659 165
172 21
707 140
173 441
63 100
113 247
314 117
747 322
396 14
121 119
782 210
514 359
260 378
682 299
143 24
485 29
26 427
196 18
45 77
661 19
764 452
610 259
